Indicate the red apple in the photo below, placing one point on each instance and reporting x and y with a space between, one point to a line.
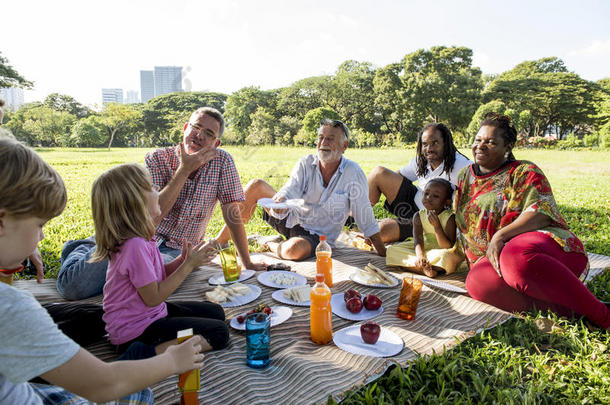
354 305
370 332
351 293
372 302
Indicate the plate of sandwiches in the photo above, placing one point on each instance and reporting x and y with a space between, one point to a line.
233 295
373 276
298 296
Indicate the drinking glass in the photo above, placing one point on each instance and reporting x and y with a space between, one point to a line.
230 267
257 340
409 298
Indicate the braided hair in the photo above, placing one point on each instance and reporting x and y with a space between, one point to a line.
449 149
506 127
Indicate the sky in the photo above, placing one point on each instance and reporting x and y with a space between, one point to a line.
79 47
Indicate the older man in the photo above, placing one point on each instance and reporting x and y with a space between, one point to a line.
330 185
193 176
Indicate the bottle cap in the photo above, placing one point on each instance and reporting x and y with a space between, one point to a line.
319 278
322 237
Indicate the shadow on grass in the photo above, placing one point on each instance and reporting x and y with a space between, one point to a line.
521 361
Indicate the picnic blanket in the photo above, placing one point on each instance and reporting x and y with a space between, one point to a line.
300 371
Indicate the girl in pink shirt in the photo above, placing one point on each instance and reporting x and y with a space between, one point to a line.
125 209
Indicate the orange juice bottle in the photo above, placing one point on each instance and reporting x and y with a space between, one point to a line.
324 263
320 315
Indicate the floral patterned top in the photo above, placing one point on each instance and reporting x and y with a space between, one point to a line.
485 204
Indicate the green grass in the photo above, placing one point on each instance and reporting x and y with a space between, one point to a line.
512 363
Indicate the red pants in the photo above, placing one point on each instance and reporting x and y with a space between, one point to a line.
536 273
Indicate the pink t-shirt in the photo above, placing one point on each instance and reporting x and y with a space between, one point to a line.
138 263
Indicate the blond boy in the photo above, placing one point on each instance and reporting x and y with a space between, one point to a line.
31 193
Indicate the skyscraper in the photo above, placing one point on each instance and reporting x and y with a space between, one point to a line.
131 97
13 96
112 96
168 79
147 85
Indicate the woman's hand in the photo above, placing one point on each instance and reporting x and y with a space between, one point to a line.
495 246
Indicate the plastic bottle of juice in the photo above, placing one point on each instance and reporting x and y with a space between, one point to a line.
320 315
324 263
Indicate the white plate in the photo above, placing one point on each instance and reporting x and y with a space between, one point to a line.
441 285
350 340
279 315
337 304
356 278
295 203
244 299
279 297
265 279
219 279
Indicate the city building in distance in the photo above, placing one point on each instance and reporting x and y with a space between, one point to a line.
161 80
147 85
13 96
112 96
131 97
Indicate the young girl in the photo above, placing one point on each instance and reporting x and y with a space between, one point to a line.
433 248
124 205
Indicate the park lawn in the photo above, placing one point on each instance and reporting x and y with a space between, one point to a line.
517 362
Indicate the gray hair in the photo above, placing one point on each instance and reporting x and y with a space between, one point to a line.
214 113
327 122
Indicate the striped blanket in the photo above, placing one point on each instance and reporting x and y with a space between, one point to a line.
301 371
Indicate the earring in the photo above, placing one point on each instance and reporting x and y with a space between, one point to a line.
506 155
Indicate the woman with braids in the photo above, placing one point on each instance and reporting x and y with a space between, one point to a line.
436 156
521 253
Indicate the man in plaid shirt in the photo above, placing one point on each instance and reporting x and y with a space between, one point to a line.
192 176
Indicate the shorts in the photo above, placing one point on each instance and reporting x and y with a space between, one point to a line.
404 208
296 231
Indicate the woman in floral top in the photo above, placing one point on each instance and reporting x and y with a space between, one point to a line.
522 254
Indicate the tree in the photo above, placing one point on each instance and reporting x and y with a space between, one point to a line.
439 84
9 76
37 124
555 98
304 95
352 95
242 104
90 131
117 116
63 102
262 129
311 122
166 114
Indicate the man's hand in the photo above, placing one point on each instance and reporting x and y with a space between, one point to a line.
378 244
36 260
250 265
190 163
279 199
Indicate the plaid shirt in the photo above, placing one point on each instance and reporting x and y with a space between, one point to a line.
188 219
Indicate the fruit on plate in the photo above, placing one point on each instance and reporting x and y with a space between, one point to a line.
354 305
260 308
350 294
370 331
371 302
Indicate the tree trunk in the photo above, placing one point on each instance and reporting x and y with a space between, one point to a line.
111 137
